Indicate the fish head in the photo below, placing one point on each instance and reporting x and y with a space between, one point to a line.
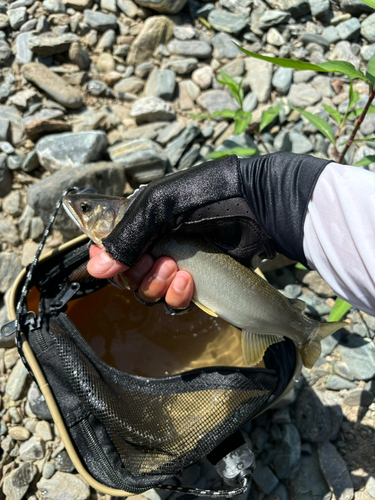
95 214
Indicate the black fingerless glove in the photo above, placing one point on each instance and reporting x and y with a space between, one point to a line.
251 208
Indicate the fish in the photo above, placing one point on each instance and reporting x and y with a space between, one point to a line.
222 286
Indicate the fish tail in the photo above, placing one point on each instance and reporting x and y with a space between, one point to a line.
311 352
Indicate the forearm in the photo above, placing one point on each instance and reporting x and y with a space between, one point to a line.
339 233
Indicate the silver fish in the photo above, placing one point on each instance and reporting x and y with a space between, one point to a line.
223 287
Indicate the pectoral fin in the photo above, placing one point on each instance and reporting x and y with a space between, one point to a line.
254 345
204 308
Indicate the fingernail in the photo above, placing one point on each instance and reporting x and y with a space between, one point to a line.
165 271
103 262
141 267
180 283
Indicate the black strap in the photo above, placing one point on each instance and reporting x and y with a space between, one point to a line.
208 493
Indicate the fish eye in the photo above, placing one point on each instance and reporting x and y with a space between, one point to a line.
85 206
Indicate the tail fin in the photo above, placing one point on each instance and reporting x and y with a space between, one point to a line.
311 352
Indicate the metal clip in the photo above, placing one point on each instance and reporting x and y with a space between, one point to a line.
65 295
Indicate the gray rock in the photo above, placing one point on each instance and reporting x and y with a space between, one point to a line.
4 130
188 92
143 160
156 30
176 148
48 44
282 80
368 28
106 177
329 343
217 100
5 90
182 66
300 143
357 359
319 8
264 478
259 437
274 37
250 102
318 417
10 267
224 47
100 21
368 125
355 7
161 83
234 68
313 38
4 21
71 486
130 85
148 131
190 157
53 85
296 8
17 380
38 403
302 95
184 32
196 48
6 177
31 161
203 77
222 20
287 452
144 69
63 462
24 54
169 132
349 29
152 109
259 77
336 383
36 228
9 232
309 484
128 7
272 18
293 291
17 17
343 52
367 51
12 204
70 150
323 85
98 88
109 5
331 34
18 432
48 470
43 431
358 397
335 471
5 52
163 6
303 76
79 55
370 487
54 6
17 482
32 449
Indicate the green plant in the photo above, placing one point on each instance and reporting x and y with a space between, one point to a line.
242 119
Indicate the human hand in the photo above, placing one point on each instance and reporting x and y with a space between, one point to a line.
153 279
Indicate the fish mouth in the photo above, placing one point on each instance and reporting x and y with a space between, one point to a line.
69 209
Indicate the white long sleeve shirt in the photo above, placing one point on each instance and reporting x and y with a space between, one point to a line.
339 233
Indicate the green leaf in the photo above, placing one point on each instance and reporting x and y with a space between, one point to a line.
370 72
353 97
300 266
359 111
234 151
364 139
339 309
371 3
366 160
333 112
341 67
242 121
268 116
234 87
319 123
224 113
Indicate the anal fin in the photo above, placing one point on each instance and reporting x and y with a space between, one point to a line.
204 308
254 345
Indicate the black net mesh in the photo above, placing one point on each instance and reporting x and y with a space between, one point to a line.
159 426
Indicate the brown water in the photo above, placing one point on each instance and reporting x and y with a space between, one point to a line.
145 341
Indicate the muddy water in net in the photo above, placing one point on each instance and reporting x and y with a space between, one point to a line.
145 341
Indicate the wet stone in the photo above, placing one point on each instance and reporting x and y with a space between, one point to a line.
335 471
288 452
63 462
318 417
17 482
69 150
264 478
222 20
309 482
358 397
73 486
38 403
